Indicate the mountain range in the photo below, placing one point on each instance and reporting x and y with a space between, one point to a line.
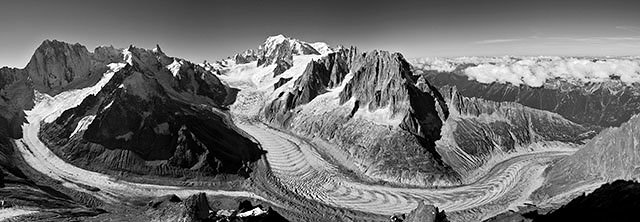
290 125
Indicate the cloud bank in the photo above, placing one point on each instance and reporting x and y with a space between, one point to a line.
535 71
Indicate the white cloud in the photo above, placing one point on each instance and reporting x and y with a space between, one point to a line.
535 71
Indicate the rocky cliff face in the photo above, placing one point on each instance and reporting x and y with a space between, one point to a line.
16 95
602 104
57 65
318 76
359 101
370 106
611 155
478 130
158 115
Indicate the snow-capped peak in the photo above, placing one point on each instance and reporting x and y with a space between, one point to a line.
322 48
297 47
128 57
276 39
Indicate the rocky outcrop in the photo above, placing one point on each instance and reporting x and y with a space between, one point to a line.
426 213
245 57
196 207
611 155
160 110
57 64
602 104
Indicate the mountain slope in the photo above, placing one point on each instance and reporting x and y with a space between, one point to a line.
157 115
604 104
611 155
479 131
371 108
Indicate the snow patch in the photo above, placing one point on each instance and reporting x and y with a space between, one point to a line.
83 124
72 98
174 67
128 57
381 116
252 213
321 47
108 105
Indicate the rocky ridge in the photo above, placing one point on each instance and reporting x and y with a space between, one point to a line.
334 100
479 130
609 156
57 66
602 104
157 115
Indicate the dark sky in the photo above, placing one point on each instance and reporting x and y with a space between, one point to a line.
199 30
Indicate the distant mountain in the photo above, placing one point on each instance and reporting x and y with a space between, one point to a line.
478 130
587 91
279 50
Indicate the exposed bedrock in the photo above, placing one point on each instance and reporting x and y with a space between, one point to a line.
158 115
615 201
396 125
16 95
20 186
611 155
602 104
56 66
334 100
426 213
478 130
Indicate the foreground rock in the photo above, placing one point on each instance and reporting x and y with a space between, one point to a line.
616 201
198 208
422 213
609 156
